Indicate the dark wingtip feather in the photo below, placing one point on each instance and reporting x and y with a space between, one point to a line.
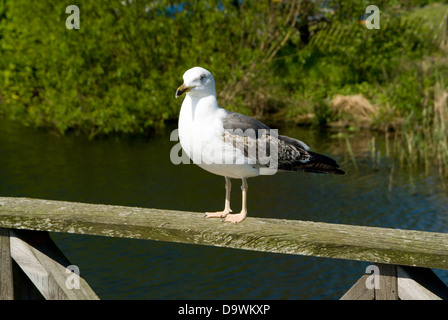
320 164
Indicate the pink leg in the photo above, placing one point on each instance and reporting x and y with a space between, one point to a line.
238 217
227 210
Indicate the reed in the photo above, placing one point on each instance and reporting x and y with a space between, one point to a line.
425 142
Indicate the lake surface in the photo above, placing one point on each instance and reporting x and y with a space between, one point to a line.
376 191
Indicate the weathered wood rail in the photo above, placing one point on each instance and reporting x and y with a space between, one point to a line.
403 257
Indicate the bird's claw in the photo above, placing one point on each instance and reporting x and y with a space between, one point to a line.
219 214
235 218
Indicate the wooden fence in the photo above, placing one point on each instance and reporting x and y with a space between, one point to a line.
30 260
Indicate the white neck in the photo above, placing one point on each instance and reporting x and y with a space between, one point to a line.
199 108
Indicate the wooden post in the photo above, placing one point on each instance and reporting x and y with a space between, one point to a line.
42 261
388 282
420 284
6 277
359 290
399 283
24 288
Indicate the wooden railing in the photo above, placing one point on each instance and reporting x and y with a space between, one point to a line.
403 258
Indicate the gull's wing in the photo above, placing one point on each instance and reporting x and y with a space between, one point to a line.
237 121
249 134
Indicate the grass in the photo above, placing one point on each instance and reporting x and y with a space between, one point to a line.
423 140
427 143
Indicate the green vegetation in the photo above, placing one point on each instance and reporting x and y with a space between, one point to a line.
119 71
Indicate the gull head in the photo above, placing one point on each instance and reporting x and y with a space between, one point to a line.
198 82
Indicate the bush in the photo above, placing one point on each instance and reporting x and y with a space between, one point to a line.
119 71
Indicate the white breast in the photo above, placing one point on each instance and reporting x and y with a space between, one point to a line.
200 135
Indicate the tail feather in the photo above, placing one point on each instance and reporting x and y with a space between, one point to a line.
317 163
294 155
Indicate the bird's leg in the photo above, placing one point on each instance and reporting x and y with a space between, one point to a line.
238 217
227 210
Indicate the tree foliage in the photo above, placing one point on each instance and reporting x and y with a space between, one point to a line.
119 71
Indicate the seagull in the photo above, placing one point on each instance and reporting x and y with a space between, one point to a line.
209 134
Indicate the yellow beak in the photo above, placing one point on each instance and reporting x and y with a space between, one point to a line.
182 89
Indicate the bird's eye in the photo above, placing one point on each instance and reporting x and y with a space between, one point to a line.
203 77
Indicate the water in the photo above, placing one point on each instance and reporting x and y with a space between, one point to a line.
376 191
